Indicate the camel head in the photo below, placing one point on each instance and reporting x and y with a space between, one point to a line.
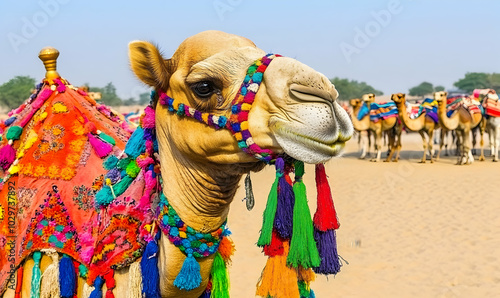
355 102
368 98
294 112
398 97
440 96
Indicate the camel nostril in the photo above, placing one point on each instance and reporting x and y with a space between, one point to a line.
314 94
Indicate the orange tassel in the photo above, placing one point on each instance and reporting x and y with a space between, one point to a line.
306 275
19 283
226 249
277 279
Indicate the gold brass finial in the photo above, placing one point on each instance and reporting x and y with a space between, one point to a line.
49 56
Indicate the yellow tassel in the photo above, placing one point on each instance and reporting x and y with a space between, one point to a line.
50 277
226 249
87 290
30 140
277 279
14 168
306 275
134 280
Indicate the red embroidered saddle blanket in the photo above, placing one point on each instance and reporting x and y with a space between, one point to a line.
47 197
491 107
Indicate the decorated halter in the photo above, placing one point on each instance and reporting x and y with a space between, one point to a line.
241 106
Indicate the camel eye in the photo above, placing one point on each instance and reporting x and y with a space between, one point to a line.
203 89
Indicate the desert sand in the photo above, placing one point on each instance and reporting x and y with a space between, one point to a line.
407 229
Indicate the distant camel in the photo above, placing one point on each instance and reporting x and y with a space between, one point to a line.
463 121
423 124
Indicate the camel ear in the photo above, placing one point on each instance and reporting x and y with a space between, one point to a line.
148 64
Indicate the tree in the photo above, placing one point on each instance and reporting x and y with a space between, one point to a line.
421 90
349 89
473 80
439 88
16 91
494 81
108 94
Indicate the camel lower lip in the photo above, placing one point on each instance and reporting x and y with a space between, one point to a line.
331 149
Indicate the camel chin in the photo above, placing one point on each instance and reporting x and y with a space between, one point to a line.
296 141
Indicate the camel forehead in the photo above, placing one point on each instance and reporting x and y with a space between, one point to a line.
206 44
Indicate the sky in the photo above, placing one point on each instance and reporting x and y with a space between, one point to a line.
391 45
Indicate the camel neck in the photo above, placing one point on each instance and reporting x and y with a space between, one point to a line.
200 193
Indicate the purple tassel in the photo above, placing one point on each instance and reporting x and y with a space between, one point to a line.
7 156
283 220
327 248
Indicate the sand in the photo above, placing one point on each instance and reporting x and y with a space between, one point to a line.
407 229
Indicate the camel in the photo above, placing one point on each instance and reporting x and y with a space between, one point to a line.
463 121
493 126
294 113
423 124
390 125
361 127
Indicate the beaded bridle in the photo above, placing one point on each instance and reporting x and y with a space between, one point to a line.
237 122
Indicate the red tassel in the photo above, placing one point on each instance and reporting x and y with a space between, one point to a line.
101 148
276 246
19 283
110 283
7 156
325 217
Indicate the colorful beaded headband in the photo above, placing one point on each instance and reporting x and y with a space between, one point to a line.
241 106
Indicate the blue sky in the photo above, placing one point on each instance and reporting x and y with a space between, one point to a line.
392 45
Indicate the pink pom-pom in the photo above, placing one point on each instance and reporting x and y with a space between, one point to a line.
149 118
7 156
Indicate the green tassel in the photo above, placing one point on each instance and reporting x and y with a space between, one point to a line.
220 278
303 290
36 277
269 213
82 271
120 187
14 133
106 138
123 163
133 169
303 250
110 162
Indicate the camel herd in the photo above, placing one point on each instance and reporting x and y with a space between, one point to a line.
459 117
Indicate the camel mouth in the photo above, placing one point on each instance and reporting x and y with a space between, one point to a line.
306 147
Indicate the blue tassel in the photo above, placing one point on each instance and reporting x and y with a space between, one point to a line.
110 162
149 269
205 294
10 121
36 276
97 292
312 295
136 144
104 196
67 277
189 278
